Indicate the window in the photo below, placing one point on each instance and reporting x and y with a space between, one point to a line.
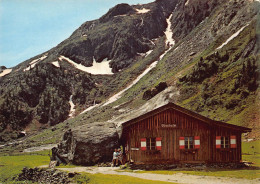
188 142
224 142
150 143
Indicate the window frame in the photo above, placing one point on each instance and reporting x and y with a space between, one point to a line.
190 142
149 142
225 142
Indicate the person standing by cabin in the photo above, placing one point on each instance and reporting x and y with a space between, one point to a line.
115 158
120 156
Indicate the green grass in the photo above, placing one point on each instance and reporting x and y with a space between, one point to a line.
255 159
12 165
112 179
251 148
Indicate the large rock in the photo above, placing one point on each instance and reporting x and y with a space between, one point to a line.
88 144
150 93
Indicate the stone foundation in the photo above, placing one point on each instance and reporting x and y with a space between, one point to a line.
202 166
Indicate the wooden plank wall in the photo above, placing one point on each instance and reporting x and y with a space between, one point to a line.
185 126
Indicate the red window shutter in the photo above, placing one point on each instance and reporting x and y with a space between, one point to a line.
158 143
197 142
181 142
218 141
143 144
233 141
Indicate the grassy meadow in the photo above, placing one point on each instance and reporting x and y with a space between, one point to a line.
112 179
12 164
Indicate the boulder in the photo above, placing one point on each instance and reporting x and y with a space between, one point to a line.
150 93
88 144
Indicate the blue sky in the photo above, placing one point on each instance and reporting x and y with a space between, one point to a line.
30 27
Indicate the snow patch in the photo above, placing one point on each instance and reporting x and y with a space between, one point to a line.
141 54
232 37
164 53
102 68
56 63
34 62
120 15
152 42
148 53
249 140
118 95
72 107
5 72
168 33
89 108
141 11
187 2
145 54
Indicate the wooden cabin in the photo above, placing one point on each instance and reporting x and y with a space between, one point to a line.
171 134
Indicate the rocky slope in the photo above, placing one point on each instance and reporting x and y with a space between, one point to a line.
206 52
40 91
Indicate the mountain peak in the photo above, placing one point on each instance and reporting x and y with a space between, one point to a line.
120 9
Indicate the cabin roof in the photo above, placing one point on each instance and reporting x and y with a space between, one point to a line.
187 112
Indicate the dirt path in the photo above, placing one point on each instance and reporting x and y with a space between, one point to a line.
176 178
40 148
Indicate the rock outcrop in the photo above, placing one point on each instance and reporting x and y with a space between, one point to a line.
87 145
45 176
2 68
150 93
118 35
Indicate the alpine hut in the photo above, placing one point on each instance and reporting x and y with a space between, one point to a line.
171 134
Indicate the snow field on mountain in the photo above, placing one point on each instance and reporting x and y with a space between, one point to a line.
145 54
168 33
232 37
141 11
97 68
72 107
5 72
56 63
34 62
187 2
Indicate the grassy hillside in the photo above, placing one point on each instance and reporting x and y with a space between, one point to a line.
223 84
